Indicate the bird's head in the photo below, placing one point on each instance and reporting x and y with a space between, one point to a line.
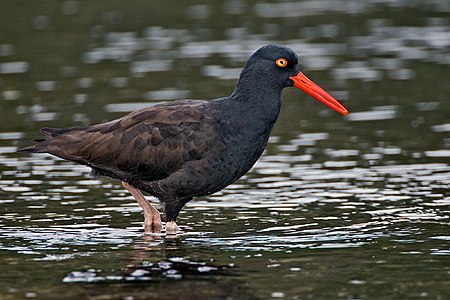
277 66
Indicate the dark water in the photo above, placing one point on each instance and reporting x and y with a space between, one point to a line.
339 207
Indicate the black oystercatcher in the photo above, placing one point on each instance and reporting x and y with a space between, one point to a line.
183 149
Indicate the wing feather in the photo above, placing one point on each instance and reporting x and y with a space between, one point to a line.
149 144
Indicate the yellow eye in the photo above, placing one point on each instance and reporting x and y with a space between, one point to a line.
282 62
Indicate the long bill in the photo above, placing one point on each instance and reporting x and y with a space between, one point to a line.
305 84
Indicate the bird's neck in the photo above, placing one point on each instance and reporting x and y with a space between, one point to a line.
259 100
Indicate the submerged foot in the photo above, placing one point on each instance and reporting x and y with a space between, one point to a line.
171 227
152 224
152 217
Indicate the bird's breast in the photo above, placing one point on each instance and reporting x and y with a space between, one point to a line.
243 145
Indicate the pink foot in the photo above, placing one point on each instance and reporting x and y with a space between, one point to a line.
152 218
171 227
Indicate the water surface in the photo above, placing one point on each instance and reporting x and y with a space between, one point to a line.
337 208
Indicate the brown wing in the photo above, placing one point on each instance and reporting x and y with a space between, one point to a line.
150 143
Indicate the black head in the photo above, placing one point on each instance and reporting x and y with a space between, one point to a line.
272 65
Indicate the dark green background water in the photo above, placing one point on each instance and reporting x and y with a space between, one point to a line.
338 207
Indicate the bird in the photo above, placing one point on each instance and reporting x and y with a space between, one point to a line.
183 149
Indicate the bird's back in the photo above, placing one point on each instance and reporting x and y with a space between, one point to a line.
149 144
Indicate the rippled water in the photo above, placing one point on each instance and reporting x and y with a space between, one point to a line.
354 207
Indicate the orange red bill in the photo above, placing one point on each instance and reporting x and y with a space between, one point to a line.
305 84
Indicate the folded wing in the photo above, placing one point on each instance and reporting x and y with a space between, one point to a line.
149 144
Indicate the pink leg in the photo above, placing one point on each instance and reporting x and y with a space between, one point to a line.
152 218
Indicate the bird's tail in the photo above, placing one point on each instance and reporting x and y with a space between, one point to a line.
40 147
31 149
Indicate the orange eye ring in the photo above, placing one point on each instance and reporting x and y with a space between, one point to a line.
282 62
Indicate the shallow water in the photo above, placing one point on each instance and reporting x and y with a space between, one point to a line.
338 207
